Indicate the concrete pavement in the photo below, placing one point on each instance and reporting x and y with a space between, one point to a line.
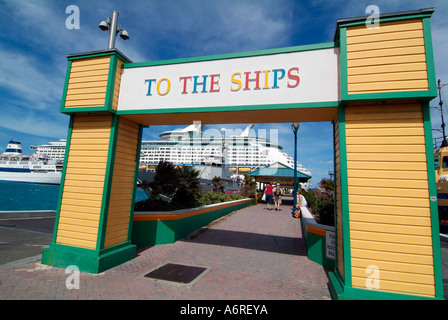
250 254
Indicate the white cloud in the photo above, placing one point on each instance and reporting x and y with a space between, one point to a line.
35 123
20 76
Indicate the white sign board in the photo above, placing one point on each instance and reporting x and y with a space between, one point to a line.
330 244
284 78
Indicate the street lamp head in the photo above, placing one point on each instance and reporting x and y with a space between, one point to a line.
114 28
124 35
295 126
104 25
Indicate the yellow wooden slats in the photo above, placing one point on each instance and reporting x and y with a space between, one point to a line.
390 223
87 83
84 181
390 58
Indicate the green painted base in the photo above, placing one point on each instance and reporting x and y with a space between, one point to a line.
88 260
316 250
339 291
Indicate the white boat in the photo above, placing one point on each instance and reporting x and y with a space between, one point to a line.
17 167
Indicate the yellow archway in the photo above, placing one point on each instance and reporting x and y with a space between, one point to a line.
373 84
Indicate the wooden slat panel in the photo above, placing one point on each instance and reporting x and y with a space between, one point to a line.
84 181
387 77
97 85
91 61
390 224
385 28
394 266
87 83
85 103
88 73
386 60
393 256
390 58
392 247
385 132
388 192
382 165
409 85
401 276
86 96
97 66
380 37
91 238
380 70
409 157
117 84
390 237
65 240
399 287
406 202
385 182
122 183
404 43
385 52
386 208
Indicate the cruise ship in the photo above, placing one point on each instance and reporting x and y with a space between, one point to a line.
191 146
17 167
52 150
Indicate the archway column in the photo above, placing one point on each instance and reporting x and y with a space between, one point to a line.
95 207
388 244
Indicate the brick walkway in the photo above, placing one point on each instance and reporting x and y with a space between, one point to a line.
250 254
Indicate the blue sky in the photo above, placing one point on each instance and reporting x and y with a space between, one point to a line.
34 43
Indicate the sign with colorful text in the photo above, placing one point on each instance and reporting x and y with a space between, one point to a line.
286 78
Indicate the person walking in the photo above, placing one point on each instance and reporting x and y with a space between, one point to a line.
269 195
277 196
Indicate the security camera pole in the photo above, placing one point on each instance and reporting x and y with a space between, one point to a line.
114 28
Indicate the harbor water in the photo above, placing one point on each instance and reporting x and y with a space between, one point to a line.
16 196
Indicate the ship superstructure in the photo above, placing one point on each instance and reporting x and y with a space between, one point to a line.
18 167
190 146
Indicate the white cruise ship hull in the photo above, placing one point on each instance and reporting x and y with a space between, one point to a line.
32 177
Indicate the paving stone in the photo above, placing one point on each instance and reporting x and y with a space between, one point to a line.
250 254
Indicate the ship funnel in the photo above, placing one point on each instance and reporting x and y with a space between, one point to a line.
13 148
246 131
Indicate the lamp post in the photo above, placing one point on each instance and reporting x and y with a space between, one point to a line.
439 87
114 28
295 128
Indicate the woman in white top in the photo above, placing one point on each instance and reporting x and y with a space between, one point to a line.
301 201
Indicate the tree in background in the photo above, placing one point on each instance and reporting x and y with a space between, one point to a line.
321 202
249 187
218 184
188 192
166 180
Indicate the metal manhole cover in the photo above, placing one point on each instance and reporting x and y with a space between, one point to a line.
176 273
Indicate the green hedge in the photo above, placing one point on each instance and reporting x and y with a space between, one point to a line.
206 198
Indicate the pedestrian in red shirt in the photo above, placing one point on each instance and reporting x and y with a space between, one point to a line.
269 195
